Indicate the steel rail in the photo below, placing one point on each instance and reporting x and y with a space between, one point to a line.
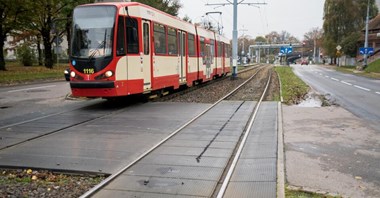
99 186
242 143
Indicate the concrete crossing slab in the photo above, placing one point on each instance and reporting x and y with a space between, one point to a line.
250 189
216 162
133 131
193 161
159 185
123 194
171 171
256 171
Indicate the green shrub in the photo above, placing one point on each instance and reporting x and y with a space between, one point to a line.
25 55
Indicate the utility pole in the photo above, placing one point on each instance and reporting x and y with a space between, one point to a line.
234 31
366 36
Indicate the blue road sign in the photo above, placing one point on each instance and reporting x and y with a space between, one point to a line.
286 50
366 50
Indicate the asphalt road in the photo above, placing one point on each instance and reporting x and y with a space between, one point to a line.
359 95
25 102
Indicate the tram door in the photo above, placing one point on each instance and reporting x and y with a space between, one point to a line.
182 57
208 60
223 57
145 56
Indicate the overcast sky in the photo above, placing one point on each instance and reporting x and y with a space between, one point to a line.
294 16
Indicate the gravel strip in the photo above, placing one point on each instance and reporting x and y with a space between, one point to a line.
213 92
31 183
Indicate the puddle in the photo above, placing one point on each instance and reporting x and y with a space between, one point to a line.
312 100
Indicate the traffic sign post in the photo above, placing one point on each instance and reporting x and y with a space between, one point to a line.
286 50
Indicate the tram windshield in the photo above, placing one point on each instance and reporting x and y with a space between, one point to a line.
93 31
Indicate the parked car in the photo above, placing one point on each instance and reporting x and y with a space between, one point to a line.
304 62
67 74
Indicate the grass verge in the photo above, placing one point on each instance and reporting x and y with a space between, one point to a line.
16 73
374 67
293 88
372 71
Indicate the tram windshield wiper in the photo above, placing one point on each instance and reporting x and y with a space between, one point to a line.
96 50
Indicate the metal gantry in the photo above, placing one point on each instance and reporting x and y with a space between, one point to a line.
235 3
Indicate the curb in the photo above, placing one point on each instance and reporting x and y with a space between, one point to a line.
280 156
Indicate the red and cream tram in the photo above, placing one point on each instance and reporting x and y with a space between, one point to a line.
125 48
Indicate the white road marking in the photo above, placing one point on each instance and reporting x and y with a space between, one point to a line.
17 90
327 76
362 88
344 82
334 79
377 92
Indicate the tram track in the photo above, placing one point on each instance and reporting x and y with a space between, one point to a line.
164 98
223 180
69 131
9 127
239 147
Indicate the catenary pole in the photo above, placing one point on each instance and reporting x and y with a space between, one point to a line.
234 42
234 31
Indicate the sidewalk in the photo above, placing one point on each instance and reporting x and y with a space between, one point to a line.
329 150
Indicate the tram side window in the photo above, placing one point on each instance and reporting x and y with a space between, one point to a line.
203 50
120 48
220 49
172 41
146 38
212 46
191 41
132 36
159 39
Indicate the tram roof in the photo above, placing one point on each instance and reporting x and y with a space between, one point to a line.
158 16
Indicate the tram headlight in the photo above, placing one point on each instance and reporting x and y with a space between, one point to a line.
72 74
108 74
